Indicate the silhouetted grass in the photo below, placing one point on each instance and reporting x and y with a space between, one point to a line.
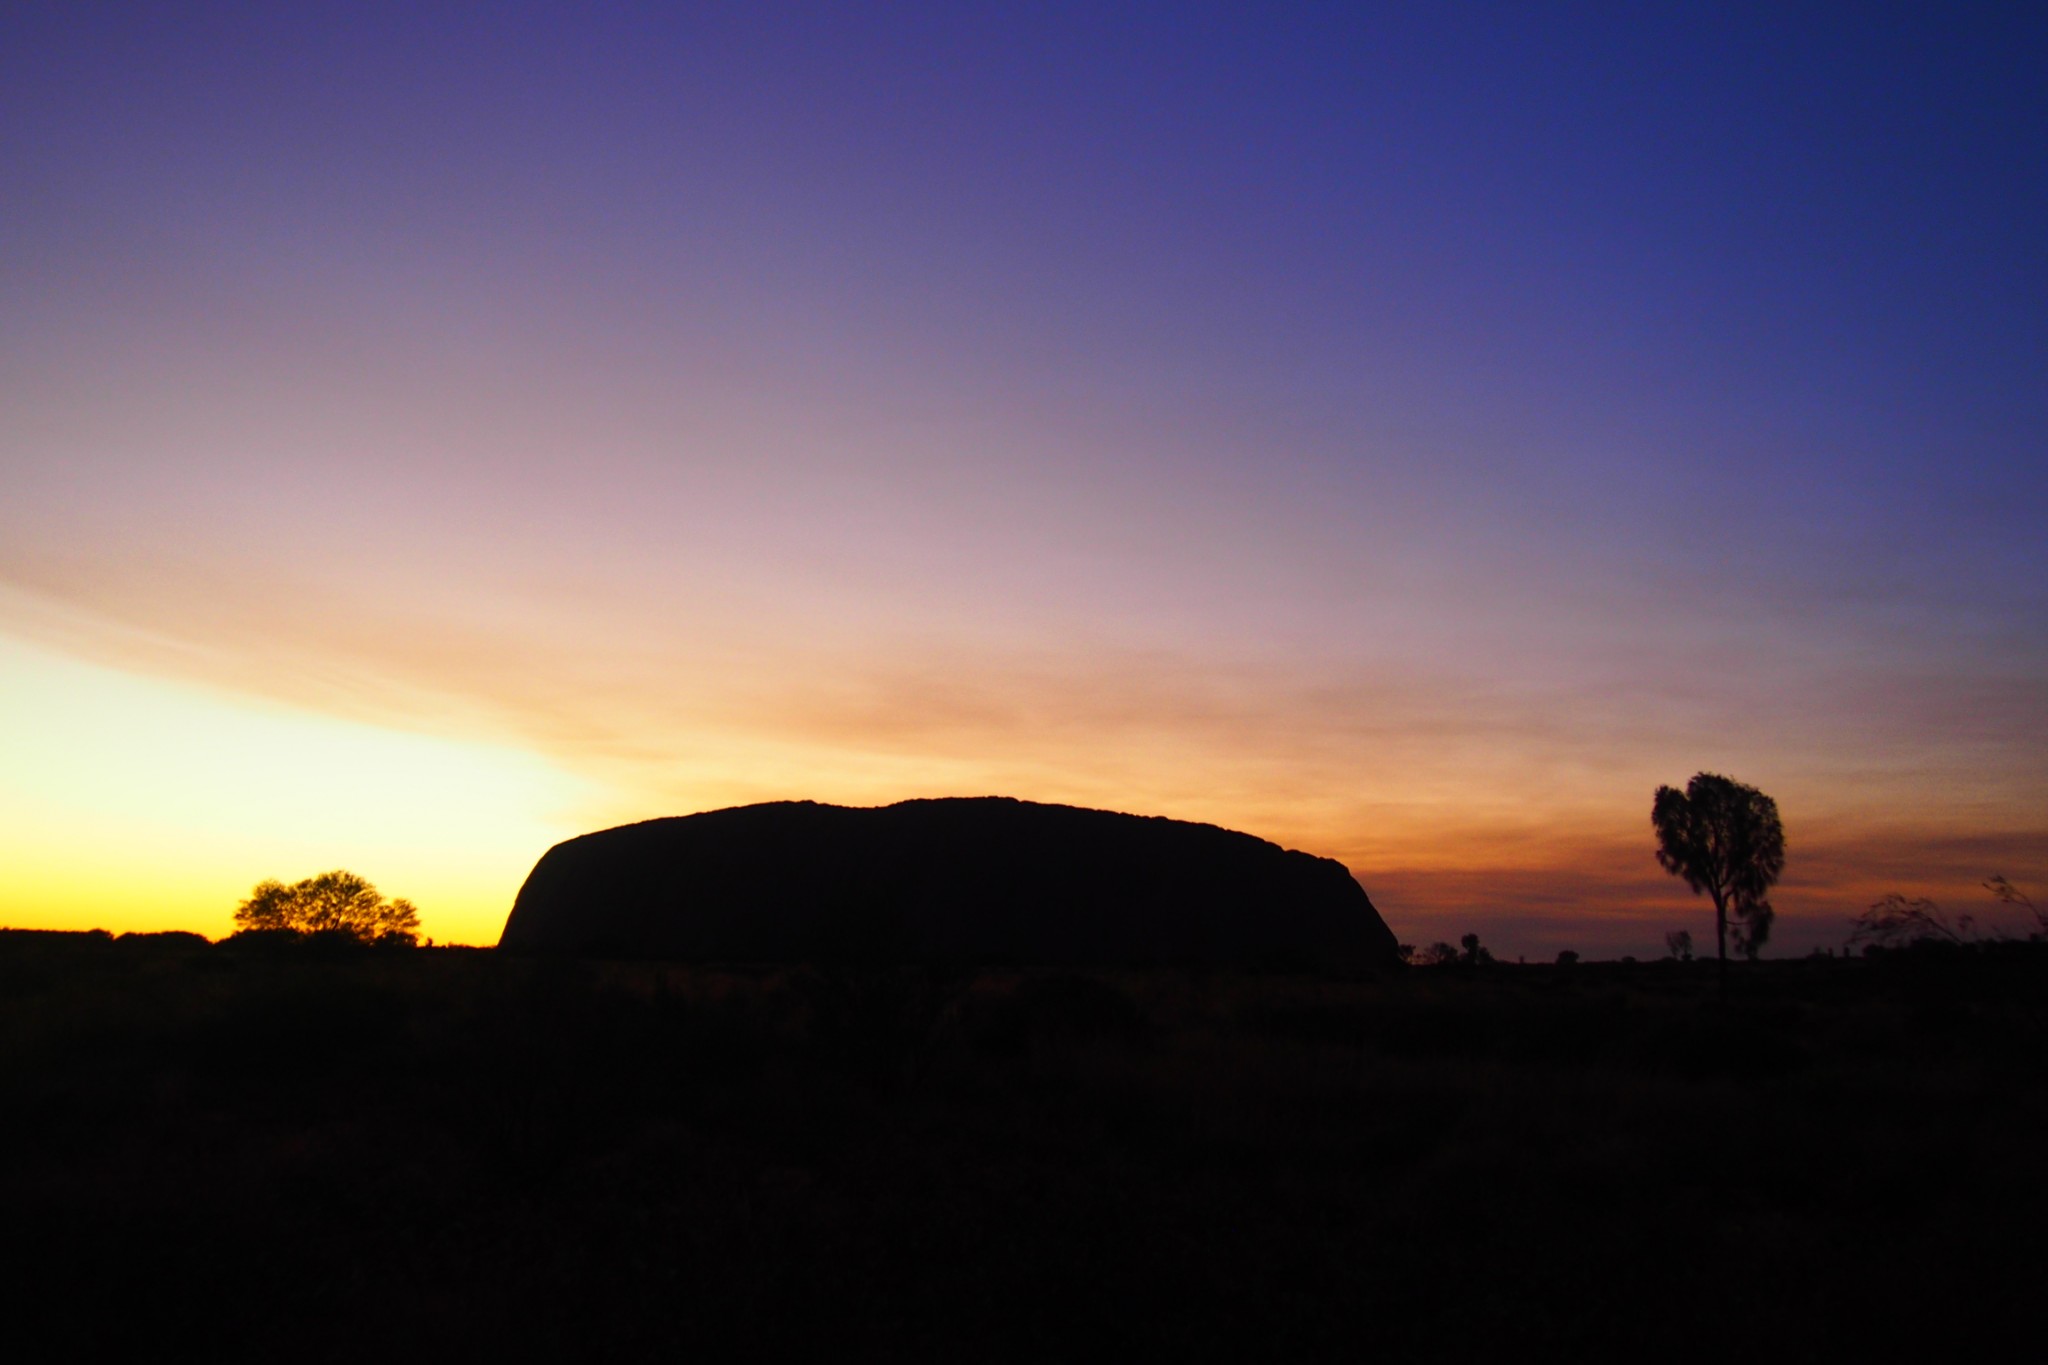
266 1153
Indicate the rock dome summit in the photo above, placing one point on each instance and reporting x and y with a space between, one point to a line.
981 879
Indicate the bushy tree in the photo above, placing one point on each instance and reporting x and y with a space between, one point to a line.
333 901
1678 942
1723 838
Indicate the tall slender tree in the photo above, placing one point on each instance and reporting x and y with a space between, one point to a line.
1725 839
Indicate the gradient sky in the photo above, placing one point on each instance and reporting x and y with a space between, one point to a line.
1411 433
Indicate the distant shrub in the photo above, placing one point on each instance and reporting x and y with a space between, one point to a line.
1567 958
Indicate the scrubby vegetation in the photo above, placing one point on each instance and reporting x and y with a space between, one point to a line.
331 1152
1896 921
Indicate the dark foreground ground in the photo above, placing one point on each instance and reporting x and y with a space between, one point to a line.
447 1154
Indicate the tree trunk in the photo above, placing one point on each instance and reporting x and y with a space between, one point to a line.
1721 942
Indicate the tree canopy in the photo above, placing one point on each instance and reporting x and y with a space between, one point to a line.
1723 838
335 901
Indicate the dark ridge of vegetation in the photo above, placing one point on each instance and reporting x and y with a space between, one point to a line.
264 1153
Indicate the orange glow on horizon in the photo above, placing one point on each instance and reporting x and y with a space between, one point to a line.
1470 813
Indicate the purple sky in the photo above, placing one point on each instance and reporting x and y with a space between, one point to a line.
1412 433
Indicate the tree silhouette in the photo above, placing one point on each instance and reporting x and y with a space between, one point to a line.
333 901
1439 954
1723 838
1678 942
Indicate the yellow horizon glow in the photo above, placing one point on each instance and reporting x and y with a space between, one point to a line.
137 803
153 789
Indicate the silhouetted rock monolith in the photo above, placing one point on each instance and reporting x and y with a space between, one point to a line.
984 879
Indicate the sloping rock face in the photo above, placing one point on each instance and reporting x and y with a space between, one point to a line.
984 879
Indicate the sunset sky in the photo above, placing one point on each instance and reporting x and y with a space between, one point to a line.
1410 433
